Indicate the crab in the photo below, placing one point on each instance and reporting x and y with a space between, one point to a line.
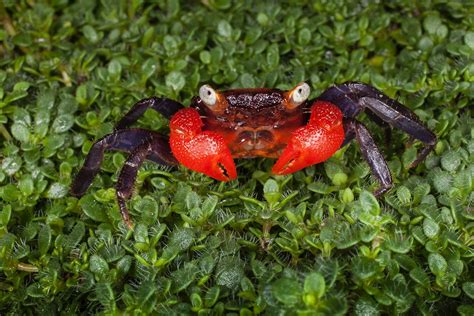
258 122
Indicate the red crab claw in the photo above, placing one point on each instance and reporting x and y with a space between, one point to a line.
202 151
315 142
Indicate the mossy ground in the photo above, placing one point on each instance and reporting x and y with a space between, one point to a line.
315 242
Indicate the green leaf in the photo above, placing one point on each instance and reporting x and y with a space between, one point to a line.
347 195
319 187
63 123
369 203
304 36
105 294
314 284
81 94
287 291
398 243
450 161
124 264
211 296
98 265
193 200
21 132
209 205
273 56
469 39
183 277
148 208
366 306
181 238
430 228
5 215
468 288
364 268
247 80
404 195
115 69
442 181
437 263
229 272
431 23
397 289
35 290
57 191
26 184
76 235
408 157
11 165
10 193
465 310
420 276
21 86
271 191
205 57
44 239
90 34
92 209
196 301
224 28
175 80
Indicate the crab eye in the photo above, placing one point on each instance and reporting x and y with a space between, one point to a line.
208 95
300 94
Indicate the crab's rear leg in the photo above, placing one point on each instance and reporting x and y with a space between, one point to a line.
407 122
164 106
155 146
123 140
371 153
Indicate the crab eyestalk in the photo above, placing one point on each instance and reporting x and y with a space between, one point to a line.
297 96
212 99
202 151
315 142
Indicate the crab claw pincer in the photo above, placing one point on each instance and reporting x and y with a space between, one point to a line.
202 151
315 142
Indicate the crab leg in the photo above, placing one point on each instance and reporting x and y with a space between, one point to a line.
202 151
353 97
124 187
371 154
164 106
407 122
315 142
127 177
387 129
123 140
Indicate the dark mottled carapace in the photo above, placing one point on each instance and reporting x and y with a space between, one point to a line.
253 122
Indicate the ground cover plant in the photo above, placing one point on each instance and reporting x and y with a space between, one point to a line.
316 242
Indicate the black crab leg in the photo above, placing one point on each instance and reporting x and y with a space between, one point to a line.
123 140
353 97
386 128
166 107
371 153
154 147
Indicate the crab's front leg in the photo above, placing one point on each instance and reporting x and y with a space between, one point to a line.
202 151
315 142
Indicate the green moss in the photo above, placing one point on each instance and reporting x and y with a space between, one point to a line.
316 241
